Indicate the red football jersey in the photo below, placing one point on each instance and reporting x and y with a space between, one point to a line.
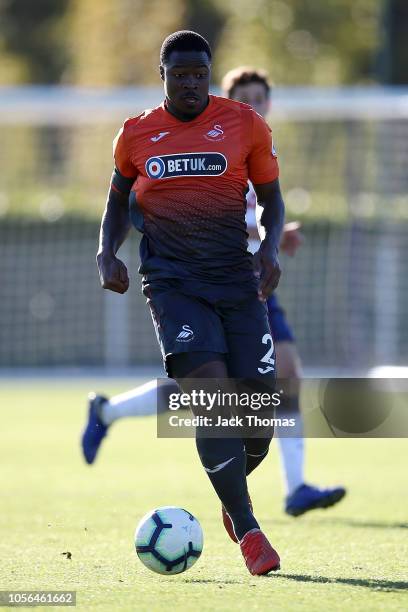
188 197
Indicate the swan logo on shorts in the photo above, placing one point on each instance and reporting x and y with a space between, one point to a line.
186 334
186 164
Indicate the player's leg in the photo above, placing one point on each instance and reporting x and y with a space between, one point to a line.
193 345
251 361
223 459
289 371
300 497
291 442
146 399
149 398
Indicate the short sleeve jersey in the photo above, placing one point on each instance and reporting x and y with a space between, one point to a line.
190 180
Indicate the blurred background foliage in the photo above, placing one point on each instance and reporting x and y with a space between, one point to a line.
343 174
104 43
100 43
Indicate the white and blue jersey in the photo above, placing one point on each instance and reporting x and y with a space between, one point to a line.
280 328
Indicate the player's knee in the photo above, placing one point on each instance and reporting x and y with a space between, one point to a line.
258 447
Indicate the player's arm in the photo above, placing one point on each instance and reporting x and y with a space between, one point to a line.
270 226
263 172
115 223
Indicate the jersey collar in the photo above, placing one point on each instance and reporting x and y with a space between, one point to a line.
198 119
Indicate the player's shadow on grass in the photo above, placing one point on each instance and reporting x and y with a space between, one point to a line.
362 523
348 522
368 583
210 581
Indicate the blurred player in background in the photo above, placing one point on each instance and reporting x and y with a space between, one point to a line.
205 290
252 87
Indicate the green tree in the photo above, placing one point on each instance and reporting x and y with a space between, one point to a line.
206 17
32 41
118 43
100 42
309 42
393 59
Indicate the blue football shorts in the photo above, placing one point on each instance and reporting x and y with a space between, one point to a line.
211 320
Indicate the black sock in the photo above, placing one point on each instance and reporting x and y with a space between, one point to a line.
256 451
224 460
253 461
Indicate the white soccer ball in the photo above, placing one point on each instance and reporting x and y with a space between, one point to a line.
169 540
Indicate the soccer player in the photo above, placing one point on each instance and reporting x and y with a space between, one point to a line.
250 86
185 166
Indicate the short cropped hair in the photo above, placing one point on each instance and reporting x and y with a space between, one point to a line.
243 76
184 40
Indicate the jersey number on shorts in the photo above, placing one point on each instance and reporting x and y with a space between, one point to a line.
268 357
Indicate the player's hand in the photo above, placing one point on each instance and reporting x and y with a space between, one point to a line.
267 269
291 238
112 273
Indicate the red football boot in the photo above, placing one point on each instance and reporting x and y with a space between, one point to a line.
260 557
229 527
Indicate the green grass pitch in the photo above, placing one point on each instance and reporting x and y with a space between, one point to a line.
352 557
